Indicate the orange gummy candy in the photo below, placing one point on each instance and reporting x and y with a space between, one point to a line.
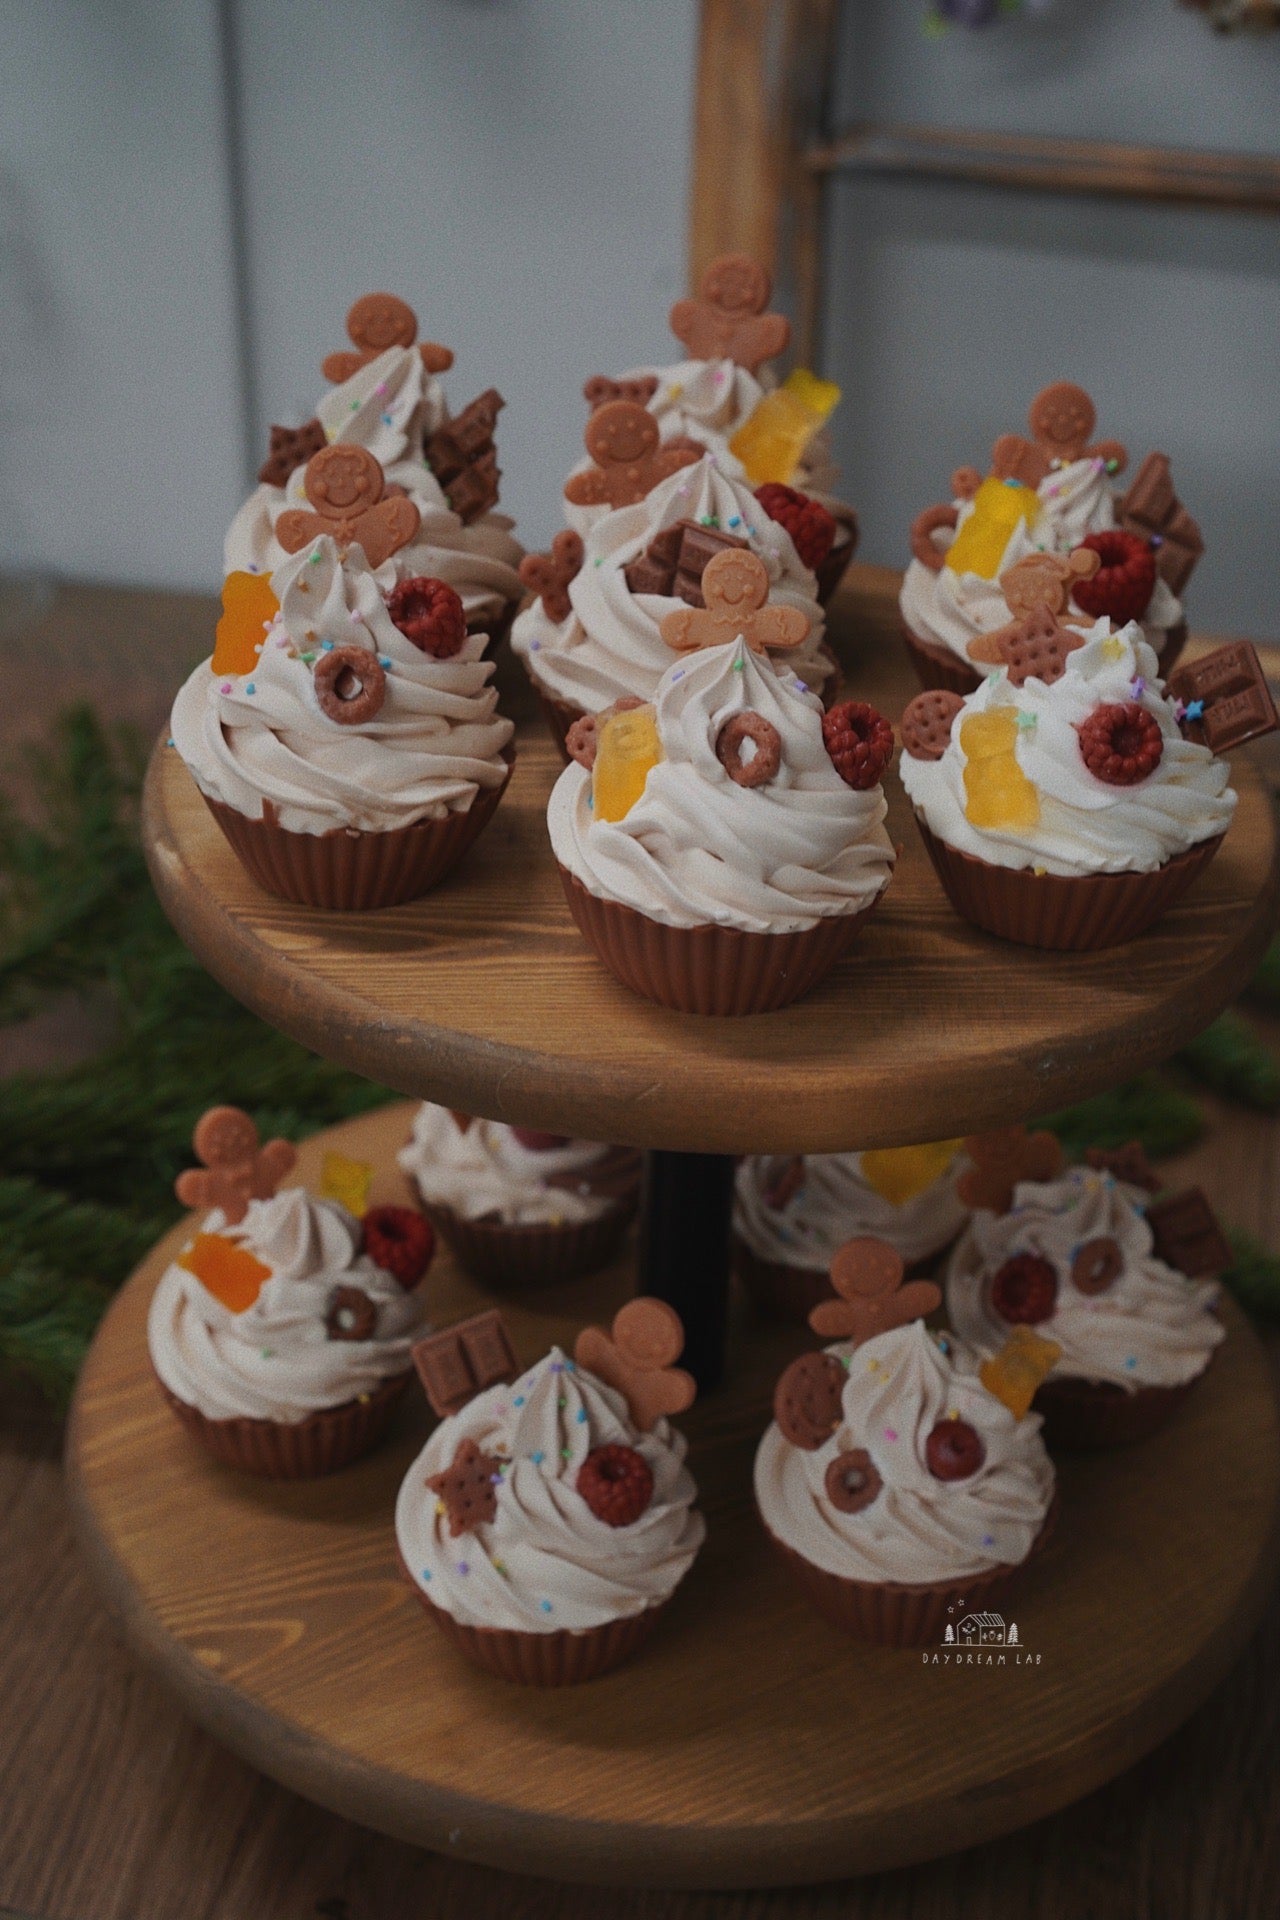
1014 1374
232 1274
248 608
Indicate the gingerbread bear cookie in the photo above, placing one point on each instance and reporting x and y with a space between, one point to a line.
345 486
735 587
235 1168
1061 418
728 321
623 440
378 321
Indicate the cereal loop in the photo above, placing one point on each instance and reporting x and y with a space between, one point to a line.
350 685
733 737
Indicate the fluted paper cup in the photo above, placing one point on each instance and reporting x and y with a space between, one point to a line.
835 566
1096 1413
537 1255
295 1450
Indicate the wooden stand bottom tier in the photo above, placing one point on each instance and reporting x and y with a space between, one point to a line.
748 1744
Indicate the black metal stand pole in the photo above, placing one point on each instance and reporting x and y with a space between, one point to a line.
684 1250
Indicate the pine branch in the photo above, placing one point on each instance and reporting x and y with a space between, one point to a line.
1265 985
1254 1278
1147 1108
1230 1059
46 1324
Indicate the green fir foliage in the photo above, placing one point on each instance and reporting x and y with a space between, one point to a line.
1254 1277
1148 1109
1231 1060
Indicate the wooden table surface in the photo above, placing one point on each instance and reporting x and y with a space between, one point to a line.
114 1807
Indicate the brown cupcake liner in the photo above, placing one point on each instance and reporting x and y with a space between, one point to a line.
300 1450
495 626
836 564
1096 1413
561 1659
349 871
892 1614
936 665
1068 914
506 1256
709 969
780 1292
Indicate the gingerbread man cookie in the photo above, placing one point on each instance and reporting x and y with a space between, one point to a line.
728 320
235 1168
378 321
622 438
550 575
1041 580
1001 1159
638 1358
345 487
867 1275
735 586
1061 419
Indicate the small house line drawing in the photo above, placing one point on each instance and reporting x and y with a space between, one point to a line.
984 1630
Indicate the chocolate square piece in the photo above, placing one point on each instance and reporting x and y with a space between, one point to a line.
462 456
456 1365
1232 688
1153 511
674 560
475 489
1187 1234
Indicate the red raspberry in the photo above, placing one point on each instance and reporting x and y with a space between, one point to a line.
538 1142
860 742
1025 1290
1125 581
616 1483
812 528
400 1241
430 614
1121 743
953 1450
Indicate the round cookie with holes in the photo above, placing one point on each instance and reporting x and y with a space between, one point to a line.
345 732
281 1334
546 1525
1062 803
712 851
899 1489
1073 1258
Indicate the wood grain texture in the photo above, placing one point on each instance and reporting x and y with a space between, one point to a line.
484 997
749 1745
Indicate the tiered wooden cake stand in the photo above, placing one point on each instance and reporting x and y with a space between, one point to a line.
749 1745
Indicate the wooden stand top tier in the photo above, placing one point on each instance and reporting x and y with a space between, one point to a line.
484 997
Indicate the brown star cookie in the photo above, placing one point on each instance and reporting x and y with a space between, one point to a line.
638 1358
378 321
1042 582
291 447
728 320
622 438
735 586
867 1276
550 575
345 487
236 1169
468 1488
1036 647
1001 1159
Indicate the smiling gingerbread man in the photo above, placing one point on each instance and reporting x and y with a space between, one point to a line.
345 487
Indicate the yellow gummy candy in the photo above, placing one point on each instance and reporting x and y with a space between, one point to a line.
1014 1374
627 747
898 1174
248 608
999 508
997 791
231 1274
770 443
346 1181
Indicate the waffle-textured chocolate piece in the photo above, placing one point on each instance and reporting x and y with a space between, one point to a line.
674 561
1153 511
291 447
456 1365
463 458
1187 1235
1227 698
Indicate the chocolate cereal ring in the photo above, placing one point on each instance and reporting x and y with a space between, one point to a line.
580 741
1098 1264
766 759
851 1481
351 1316
350 685
926 724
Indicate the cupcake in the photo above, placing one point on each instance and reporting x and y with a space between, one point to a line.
595 635
897 1482
722 387
1054 494
517 1206
720 848
345 732
1060 803
1075 1258
281 1334
386 397
550 1518
792 1214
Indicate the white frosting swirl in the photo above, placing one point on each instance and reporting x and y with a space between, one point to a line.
837 1202
1085 825
391 406
486 1173
1152 1328
263 736
918 1530
276 1360
611 644
545 1563
950 609
696 847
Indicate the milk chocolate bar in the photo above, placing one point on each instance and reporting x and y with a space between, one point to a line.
456 1365
1187 1234
1153 511
673 562
1231 688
